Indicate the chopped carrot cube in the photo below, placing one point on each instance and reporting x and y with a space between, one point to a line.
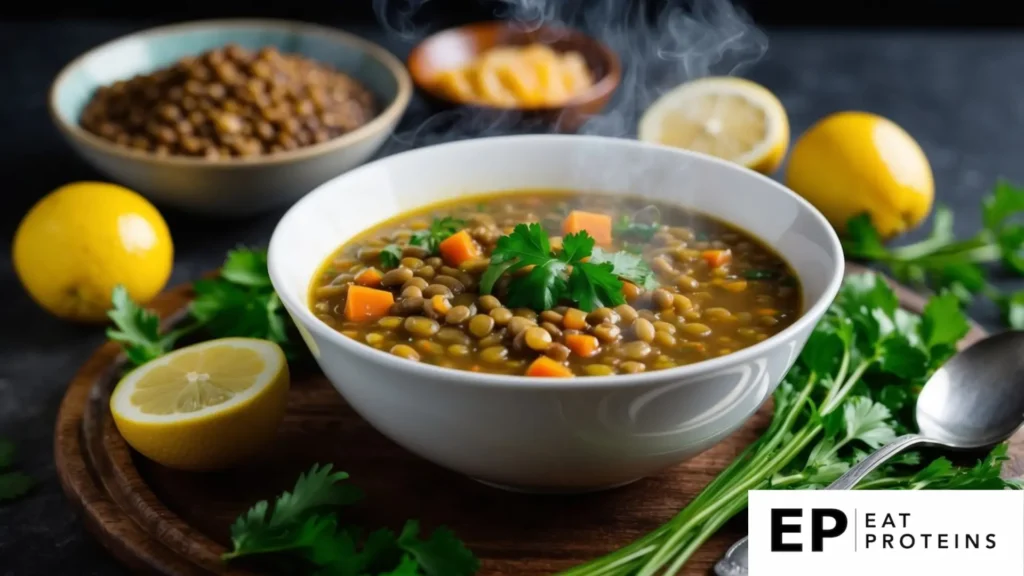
599 226
716 258
575 319
583 345
363 304
440 304
370 277
544 367
458 248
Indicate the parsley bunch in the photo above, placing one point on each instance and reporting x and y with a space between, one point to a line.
302 535
239 302
578 273
852 389
942 262
13 484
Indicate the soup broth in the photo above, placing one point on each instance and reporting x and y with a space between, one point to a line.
465 285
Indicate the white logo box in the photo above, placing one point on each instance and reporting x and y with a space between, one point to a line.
888 532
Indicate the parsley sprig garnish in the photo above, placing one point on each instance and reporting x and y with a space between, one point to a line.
439 230
303 534
943 263
429 238
565 275
852 389
640 226
239 302
13 484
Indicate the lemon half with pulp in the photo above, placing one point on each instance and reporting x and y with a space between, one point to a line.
207 406
731 118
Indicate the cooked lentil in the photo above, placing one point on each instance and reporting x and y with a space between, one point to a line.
228 103
705 306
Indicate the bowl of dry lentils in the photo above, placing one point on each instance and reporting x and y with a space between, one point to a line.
230 117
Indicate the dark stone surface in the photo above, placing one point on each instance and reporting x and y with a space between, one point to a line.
958 94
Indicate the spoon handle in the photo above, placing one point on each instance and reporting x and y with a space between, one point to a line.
866 466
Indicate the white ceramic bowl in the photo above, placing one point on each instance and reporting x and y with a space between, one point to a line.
562 435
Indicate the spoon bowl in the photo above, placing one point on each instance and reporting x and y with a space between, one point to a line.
976 399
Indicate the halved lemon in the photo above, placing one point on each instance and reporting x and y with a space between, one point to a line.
207 406
731 118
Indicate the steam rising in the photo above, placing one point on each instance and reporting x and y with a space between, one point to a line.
659 49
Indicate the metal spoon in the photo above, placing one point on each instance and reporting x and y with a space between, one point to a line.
976 400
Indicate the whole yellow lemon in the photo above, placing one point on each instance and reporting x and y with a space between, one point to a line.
850 163
81 240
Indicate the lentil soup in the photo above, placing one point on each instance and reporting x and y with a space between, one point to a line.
546 283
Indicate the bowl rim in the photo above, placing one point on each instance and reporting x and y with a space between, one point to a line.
603 88
307 321
387 117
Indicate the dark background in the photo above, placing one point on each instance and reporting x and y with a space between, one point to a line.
776 13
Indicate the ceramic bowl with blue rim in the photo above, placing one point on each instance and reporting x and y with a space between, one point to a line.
230 186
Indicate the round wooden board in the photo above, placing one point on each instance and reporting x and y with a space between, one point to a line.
161 521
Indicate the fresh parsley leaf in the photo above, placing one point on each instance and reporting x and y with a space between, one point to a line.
390 256
1006 202
137 329
441 554
240 301
261 528
862 240
6 453
576 247
823 352
867 422
301 535
628 228
1013 310
440 229
628 266
594 286
1011 242
589 284
540 289
246 267
757 274
942 323
527 245
407 567
899 358
14 485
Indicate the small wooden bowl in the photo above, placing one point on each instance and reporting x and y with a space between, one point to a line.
459 46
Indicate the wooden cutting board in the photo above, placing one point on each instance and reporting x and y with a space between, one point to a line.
161 521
